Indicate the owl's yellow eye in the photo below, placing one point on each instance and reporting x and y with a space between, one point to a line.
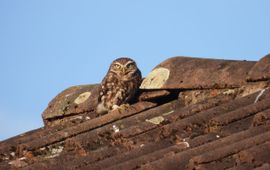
116 66
130 66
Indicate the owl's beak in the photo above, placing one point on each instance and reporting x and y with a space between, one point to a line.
123 70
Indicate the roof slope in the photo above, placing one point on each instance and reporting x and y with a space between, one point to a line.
216 116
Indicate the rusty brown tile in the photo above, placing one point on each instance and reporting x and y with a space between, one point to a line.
181 159
265 166
240 113
197 73
228 150
200 114
254 156
72 101
261 117
261 70
102 150
150 95
86 126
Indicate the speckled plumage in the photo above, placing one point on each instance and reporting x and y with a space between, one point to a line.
119 85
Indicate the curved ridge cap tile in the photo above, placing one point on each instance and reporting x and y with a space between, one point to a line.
197 73
75 99
261 70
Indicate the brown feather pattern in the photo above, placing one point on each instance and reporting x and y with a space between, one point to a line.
120 84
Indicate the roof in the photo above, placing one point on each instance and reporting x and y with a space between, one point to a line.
190 113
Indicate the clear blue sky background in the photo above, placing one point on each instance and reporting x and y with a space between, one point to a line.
49 45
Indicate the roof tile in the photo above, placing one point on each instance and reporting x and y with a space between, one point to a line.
198 114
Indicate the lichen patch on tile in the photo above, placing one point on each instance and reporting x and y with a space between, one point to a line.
168 113
156 79
82 97
156 120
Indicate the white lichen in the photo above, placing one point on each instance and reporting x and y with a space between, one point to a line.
259 95
54 152
22 158
77 117
155 120
82 97
115 128
228 92
156 78
68 94
66 134
42 149
170 112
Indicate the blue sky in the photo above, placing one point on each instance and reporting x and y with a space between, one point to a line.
48 46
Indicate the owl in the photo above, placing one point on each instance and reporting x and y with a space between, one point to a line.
119 85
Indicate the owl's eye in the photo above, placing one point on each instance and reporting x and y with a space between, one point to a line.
116 66
131 65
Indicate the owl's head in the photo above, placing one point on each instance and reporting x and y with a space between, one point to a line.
124 67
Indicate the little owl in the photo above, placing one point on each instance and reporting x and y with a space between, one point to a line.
119 85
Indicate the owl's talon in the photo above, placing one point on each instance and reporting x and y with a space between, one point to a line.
124 106
120 108
114 107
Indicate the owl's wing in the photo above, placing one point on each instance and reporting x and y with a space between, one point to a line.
102 89
133 87
104 85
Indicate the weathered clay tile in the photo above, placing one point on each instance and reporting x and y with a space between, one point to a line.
261 70
180 160
254 156
196 73
190 114
219 153
86 126
150 95
72 101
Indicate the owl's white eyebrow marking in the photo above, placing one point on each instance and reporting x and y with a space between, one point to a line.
118 63
129 62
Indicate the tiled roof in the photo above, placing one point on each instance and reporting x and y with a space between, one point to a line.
190 114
